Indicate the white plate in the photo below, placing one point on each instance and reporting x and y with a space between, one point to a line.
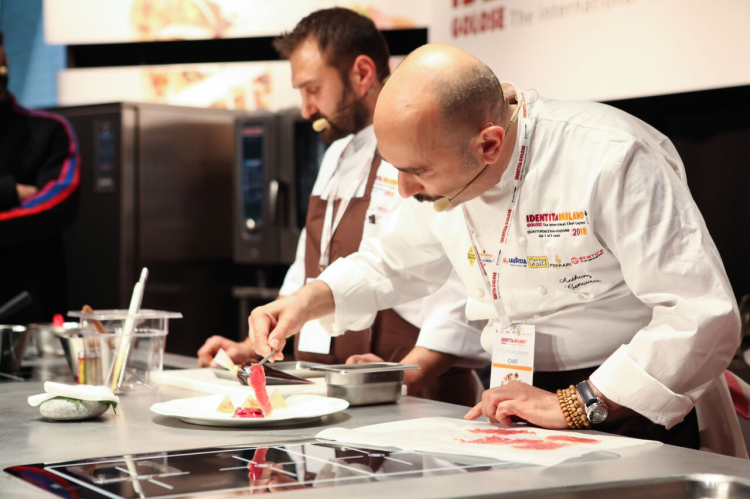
202 410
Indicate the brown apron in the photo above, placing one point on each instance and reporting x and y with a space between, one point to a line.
390 337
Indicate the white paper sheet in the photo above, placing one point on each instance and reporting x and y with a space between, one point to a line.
521 444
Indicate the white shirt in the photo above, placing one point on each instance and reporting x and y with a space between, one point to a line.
441 317
608 257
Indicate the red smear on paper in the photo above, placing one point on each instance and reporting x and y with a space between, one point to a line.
254 472
494 439
257 380
540 445
249 412
573 440
501 431
550 443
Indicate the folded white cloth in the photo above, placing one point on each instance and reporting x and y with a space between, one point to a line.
80 392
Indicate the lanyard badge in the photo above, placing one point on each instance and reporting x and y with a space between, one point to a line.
330 224
513 344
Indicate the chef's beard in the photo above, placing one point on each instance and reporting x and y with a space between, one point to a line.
351 116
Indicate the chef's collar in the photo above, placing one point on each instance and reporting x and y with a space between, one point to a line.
507 178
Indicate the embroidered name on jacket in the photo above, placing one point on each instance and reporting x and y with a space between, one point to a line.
577 281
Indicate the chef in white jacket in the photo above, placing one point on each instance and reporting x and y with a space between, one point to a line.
339 63
571 218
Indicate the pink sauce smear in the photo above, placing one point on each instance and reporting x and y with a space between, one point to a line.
518 443
573 440
502 431
540 445
249 412
548 443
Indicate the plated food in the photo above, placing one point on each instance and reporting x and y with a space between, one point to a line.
203 410
251 408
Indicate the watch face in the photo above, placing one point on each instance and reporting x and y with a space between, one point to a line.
597 414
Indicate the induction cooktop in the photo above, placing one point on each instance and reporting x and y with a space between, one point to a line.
240 470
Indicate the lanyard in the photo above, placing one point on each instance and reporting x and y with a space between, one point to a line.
524 132
330 224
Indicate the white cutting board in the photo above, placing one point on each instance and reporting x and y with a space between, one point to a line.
204 380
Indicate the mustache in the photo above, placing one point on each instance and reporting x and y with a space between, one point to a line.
424 198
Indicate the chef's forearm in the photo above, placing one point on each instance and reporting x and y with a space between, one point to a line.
432 364
316 299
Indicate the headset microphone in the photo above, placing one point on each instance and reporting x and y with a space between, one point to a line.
322 124
444 203
441 204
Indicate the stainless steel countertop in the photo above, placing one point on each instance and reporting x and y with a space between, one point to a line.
28 438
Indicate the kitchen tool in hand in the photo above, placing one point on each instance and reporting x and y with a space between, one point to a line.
265 359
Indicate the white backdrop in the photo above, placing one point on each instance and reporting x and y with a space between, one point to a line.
566 49
603 49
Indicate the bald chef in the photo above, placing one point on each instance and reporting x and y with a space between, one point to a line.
354 194
571 225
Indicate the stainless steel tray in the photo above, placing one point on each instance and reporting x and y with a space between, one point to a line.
299 368
365 384
366 368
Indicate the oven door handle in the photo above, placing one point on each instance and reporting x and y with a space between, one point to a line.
273 200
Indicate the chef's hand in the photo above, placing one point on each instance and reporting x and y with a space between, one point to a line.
239 352
270 325
365 357
25 192
537 406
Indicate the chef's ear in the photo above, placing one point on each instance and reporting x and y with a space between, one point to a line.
491 139
363 75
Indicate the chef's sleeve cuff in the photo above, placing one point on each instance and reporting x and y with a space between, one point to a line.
623 381
355 309
454 339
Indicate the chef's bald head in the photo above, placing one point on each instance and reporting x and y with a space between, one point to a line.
442 89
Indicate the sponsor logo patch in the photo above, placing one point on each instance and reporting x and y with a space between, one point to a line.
515 261
559 263
538 262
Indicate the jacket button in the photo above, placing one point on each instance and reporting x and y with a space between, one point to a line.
522 241
479 293
542 290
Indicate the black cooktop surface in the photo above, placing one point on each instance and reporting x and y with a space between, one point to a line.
239 470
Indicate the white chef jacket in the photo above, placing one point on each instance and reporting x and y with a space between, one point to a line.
608 257
441 317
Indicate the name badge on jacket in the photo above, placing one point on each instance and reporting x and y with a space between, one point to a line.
313 338
512 354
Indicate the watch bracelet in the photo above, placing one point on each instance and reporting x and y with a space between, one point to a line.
575 415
